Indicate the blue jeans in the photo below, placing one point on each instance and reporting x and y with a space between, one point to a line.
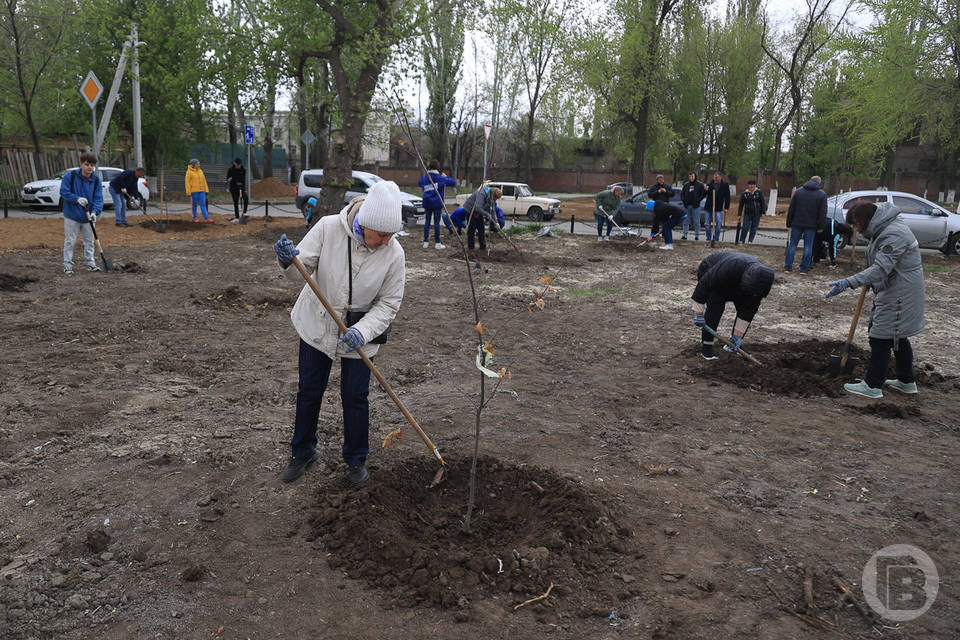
199 199
668 226
119 206
435 215
717 219
694 214
600 221
796 233
354 388
751 221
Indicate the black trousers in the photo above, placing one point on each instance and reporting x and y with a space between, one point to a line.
715 307
236 193
476 228
880 359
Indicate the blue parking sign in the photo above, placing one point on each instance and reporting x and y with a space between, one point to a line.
248 134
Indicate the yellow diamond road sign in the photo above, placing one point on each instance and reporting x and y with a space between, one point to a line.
91 89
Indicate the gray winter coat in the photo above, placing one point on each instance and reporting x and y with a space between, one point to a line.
896 274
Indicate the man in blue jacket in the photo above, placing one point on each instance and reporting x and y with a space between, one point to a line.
807 213
432 185
125 185
81 195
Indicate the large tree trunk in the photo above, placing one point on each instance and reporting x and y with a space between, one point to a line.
640 141
268 129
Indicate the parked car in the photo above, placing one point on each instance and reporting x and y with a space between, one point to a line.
635 211
309 185
626 186
519 200
932 225
46 193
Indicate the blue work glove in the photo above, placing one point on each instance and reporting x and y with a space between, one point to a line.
353 339
699 320
735 340
285 250
839 286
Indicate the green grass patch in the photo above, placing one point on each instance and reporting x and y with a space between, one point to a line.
935 268
589 293
520 229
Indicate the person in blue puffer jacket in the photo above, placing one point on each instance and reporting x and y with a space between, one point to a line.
81 194
432 185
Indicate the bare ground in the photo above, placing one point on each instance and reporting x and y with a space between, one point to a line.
146 414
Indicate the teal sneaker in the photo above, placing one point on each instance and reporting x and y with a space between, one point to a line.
861 388
902 387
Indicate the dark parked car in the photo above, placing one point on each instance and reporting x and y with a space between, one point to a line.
635 211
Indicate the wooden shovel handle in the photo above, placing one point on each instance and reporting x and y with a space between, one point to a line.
367 361
731 345
853 326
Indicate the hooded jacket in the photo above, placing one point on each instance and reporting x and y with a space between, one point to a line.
433 197
654 192
896 275
751 203
72 186
378 282
808 207
722 197
195 180
692 193
609 202
729 275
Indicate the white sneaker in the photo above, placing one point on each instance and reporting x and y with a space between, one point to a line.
402 233
606 238
426 245
439 246
599 238
667 247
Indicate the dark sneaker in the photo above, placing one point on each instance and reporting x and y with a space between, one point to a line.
358 474
297 466
706 352
788 269
93 268
68 271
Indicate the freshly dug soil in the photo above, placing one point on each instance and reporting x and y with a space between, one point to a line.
272 188
529 529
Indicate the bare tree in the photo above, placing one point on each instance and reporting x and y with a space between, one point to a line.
814 30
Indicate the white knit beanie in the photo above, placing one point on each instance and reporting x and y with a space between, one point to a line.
381 208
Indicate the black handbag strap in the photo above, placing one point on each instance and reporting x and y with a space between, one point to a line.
350 273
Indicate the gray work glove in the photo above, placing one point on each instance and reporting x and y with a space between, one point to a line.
839 286
285 250
353 339
83 202
92 217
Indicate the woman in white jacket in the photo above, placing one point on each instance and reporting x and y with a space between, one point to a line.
361 236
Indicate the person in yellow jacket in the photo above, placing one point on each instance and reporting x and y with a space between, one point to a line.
196 185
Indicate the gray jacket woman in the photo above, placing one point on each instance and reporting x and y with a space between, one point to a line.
895 273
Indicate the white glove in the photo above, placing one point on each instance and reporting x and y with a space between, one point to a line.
124 192
83 202
92 216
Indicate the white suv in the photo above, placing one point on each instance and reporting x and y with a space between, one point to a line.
46 193
309 185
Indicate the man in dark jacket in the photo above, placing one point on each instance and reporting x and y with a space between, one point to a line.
237 183
718 202
807 213
124 185
728 277
660 191
750 210
669 215
479 207
691 194
828 239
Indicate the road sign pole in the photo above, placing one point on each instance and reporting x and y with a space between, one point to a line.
307 139
96 151
486 137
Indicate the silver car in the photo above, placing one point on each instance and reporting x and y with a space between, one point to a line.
933 226
309 185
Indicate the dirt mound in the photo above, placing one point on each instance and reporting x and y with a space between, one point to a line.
799 369
272 188
13 283
888 410
233 297
530 528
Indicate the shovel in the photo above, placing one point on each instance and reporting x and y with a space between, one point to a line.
376 372
743 353
843 363
107 264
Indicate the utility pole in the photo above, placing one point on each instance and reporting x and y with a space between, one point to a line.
135 70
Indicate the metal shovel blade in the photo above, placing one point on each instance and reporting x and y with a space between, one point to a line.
838 366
